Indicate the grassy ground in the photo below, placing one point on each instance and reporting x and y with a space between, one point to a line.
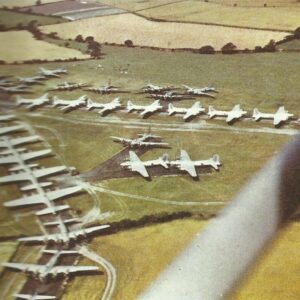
276 275
293 45
20 45
138 256
163 35
22 3
7 251
280 18
11 19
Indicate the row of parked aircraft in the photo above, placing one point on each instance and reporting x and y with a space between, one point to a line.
183 163
23 171
23 83
280 116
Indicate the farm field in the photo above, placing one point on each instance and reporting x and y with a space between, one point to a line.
7 250
18 46
22 3
283 18
11 19
162 34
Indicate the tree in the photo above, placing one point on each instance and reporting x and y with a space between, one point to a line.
79 38
89 39
270 47
229 48
128 43
207 50
94 49
297 33
38 2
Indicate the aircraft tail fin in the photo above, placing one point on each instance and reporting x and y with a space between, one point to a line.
54 251
256 114
196 105
89 104
164 161
171 109
19 100
215 161
211 111
130 106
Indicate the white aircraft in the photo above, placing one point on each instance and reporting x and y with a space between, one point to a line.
32 80
106 89
65 236
34 297
141 141
145 109
13 159
21 88
36 173
67 86
4 118
104 107
69 104
136 165
45 198
52 73
168 96
184 163
234 114
6 143
10 129
279 117
200 91
42 272
32 103
151 88
193 111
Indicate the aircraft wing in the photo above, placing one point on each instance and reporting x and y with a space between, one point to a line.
8 129
133 157
189 114
63 192
24 267
277 119
140 168
105 109
15 177
72 269
121 140
190 169
184 155
38 238
35 154
36 297
48 171
230 117
153 144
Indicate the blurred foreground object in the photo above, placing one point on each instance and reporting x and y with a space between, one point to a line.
217 259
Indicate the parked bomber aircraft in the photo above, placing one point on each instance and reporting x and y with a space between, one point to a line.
8 142
34 297
193 111
36 173
184 163
280 116
68 86
32 103
104 107
42 272
145 109
200 91
65 236
21 88
151 88
10 129
136 165
45 198
106 89
15 159
141 141
69 104
169 96
32 80
234 114
4 118
52 73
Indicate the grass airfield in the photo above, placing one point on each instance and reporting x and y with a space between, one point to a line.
81 139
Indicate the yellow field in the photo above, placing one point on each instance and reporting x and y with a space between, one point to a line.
7 250
283 18
20 46
22 3
277 275
119 28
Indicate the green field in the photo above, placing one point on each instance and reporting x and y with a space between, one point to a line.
10 19
285 17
